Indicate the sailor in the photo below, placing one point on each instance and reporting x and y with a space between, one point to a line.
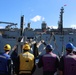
49 61
67 64
5 61
14 55
25 62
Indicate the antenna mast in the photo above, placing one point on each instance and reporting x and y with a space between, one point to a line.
60 23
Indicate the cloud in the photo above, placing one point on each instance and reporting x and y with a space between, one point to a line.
1 27
37 18
73 26
53 27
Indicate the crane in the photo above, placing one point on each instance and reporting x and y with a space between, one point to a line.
10 24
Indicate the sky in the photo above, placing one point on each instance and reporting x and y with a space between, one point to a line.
37 11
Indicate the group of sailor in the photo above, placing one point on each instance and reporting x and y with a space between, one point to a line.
24 63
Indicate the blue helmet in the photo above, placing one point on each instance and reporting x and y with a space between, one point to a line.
70 46
49 47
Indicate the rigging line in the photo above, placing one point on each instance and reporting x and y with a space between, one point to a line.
50 38
56 44
40 42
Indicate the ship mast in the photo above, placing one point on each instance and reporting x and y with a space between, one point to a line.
20 38
22 25
60 23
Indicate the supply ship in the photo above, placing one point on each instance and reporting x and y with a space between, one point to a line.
57 37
